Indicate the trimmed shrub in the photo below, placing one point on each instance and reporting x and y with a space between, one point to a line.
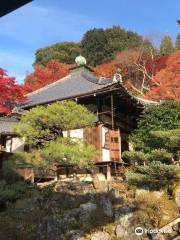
137 157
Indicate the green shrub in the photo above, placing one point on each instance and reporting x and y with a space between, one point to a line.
137 157
11 192
156 175
136 178
161 155
160 171
9 171
66 151
157 119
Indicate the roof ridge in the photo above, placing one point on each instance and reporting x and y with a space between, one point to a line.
97 82
12 119
47 86
146 100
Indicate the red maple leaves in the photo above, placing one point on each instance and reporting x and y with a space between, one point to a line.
166 83
152 77
10 92
44 75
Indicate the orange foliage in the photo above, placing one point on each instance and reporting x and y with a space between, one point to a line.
166 83
107 69
44 75
137 69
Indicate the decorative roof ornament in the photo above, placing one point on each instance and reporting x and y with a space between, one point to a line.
117 76
17 111
80 60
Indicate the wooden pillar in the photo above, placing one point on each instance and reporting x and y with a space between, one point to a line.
99 108
67 171
108 176
115 168
112 111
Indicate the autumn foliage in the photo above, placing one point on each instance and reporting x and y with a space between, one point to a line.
166 83
137 69
10 92
44 75
108 69
152 77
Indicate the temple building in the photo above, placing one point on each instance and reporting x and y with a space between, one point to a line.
116 109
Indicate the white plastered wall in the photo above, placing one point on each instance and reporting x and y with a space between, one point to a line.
105 152
75 133
15 144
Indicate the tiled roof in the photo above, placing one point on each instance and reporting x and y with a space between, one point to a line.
79 82
7 125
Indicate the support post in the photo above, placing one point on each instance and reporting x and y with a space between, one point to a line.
115 169
108 173
67 171
112 111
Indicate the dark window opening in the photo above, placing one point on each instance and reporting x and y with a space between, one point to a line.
114 139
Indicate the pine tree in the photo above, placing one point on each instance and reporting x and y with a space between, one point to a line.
156 144
166 46
178 42
43 126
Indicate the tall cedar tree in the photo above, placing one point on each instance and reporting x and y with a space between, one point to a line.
11 92
166 46
177 44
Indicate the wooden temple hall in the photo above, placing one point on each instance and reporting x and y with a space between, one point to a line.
116 110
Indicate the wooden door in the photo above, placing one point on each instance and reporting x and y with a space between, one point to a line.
93 136
115 145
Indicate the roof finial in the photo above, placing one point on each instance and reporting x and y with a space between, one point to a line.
80 60
117 76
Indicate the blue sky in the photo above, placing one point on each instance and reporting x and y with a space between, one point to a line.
44 22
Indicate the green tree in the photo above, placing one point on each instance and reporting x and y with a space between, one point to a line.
161 117
42 127
156 144
64 52
177 44
119 39
95 46
44 123
155 175
166 46
101 45
62 151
